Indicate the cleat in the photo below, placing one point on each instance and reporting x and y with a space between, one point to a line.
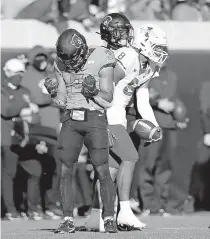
35 216
66 227
127 221
50 215
127 228
12 216
110 225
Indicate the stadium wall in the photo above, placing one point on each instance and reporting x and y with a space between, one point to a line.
189 44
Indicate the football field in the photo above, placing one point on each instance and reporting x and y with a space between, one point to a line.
194 226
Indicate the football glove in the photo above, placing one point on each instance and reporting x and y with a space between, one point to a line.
89 88
51 86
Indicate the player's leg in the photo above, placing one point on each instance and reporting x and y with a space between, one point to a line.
69 145
96 140
128 156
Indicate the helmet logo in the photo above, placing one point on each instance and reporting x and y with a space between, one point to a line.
76 41
107 20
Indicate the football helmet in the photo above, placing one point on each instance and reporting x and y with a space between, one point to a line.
72 49
151 42
116 30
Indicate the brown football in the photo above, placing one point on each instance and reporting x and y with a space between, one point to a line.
145 129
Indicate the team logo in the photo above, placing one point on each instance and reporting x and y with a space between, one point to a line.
107 20
76 41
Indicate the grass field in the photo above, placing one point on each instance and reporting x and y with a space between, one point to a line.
194 226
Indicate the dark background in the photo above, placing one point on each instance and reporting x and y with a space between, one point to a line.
192 68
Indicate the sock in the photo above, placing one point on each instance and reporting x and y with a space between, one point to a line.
125 206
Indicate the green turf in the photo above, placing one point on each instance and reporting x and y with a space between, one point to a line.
193 226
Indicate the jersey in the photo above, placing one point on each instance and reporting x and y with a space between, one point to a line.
98 59
136 74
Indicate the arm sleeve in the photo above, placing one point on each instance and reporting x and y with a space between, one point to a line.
143 105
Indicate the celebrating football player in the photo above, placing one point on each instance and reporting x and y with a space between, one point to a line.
83 89
139 59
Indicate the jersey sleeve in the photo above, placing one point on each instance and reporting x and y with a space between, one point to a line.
107 57
127 58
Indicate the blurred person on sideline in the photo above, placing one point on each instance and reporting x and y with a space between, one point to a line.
10 8
35 158
148 10
40 67
54 12
83 185
14 98
191 10
200 181
153 172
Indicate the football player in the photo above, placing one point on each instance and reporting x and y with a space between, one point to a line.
83 88
136 65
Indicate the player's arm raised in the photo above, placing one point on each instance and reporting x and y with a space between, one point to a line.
57 89
143 105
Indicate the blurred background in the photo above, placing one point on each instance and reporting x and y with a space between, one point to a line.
178 168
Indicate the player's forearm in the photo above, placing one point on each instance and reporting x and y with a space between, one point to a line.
144 107
146 112
60 99
104 99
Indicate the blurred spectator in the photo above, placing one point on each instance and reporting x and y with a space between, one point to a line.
40 67
53 12
58 12
191 10
83 185
10 8
14 99
200 180
35 158
148 10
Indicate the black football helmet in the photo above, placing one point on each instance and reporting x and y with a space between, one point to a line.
72 49
116 30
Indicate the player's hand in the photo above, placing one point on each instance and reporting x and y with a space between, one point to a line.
206 139
181 125
41 148
166 105
89 88
51 85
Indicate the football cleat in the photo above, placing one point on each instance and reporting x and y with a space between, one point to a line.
110 225
66 227
127 221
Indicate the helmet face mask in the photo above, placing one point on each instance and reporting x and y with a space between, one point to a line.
116 30
152 43
72 50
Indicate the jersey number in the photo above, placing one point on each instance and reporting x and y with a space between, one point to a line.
120 57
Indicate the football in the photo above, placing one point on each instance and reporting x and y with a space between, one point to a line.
180 112
146 130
